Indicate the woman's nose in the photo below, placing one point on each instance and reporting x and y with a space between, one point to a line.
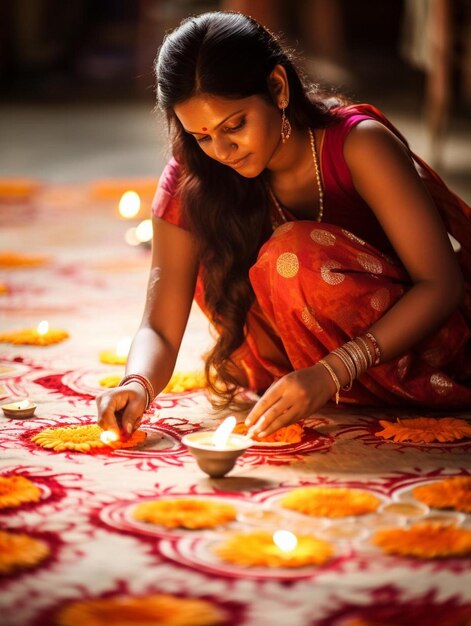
223 149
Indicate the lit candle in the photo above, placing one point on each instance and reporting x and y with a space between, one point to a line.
217 452
223 432
42 335
108 436
129 204
285 540
21 409
119 355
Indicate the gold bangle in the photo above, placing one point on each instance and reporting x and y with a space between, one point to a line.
367 348
349 366
334 378
361 356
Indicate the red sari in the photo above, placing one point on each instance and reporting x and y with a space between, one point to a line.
320 285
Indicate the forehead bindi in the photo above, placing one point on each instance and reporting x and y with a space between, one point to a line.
201 115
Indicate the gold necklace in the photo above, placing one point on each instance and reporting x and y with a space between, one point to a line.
320 214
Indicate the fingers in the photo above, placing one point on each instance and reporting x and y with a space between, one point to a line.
268 412
131 417
268 399
285 419
120 411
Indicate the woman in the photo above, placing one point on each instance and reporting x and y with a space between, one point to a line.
312 237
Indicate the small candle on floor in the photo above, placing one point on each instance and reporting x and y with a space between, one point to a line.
21 409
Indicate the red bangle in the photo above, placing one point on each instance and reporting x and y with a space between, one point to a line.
376 347
142 380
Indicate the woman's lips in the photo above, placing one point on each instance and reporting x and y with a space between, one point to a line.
239 162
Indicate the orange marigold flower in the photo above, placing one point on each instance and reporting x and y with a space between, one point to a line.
257 549
425 541
15 259
3 288
18 551
425 429
82 439
287 434
185 513
330 501
450 493
17 490
154 610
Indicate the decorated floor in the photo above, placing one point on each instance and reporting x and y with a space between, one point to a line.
378 536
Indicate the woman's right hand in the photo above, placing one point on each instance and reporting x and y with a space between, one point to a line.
120 409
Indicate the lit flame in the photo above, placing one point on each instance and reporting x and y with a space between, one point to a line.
123 346
108 436
285 540
43 328
223 432
24 404
129 204
144 231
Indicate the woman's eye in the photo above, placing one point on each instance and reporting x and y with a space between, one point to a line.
202 139
233 129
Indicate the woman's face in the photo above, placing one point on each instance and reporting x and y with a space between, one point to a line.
242 134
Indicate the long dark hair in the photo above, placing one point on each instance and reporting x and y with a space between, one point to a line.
228 55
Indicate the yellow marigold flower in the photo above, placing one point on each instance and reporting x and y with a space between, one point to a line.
185 513
330 501
18 551
15 259
450 493
257 549
30 337
82 439
111 358
425 429
287 434
425 541
185 381
17 490
154 610
180 381
110 381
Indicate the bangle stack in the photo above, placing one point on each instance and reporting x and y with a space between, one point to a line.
144 382
357 356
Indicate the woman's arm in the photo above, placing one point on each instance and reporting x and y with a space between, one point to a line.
155 346
385 176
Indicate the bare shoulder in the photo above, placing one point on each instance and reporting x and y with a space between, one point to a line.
370 139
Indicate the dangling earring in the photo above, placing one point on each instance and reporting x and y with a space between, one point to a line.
285 123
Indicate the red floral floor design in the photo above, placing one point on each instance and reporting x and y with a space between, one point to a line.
93 287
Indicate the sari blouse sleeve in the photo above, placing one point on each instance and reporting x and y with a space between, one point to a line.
166 203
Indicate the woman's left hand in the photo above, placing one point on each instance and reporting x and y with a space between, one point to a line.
297 395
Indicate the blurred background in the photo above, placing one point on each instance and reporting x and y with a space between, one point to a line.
76 77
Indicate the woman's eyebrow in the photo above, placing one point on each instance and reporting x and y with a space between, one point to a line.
197 132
